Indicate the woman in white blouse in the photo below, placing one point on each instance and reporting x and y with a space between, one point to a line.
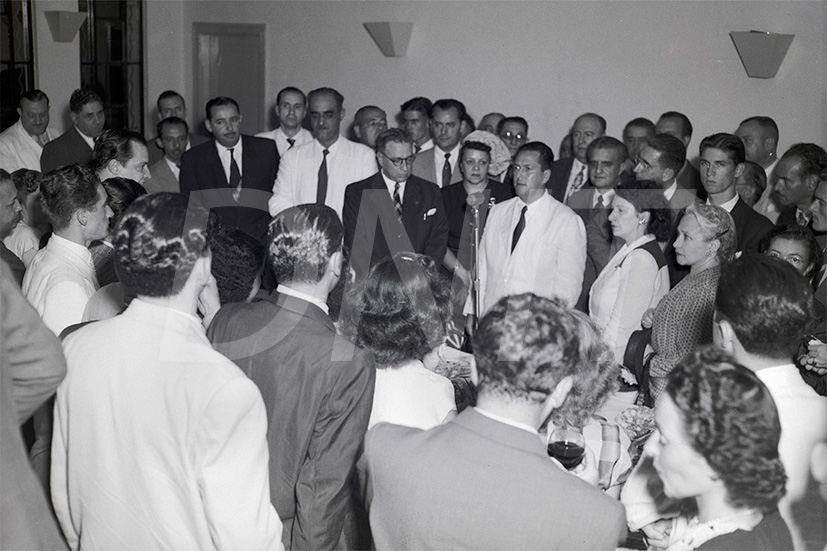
636 277
400 314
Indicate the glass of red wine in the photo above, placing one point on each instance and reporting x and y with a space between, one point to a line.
567 446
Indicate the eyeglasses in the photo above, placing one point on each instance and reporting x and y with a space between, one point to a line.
397 161
508 136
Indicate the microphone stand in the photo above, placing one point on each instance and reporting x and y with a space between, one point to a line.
474 201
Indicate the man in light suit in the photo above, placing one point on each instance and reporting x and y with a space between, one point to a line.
374 228
237 184
484 479
722 161
319 171
593 204
532 243
571 174
440 165
21 144
317 387
177 427
76 144
173 139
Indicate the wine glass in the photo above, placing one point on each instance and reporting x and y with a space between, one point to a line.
567 446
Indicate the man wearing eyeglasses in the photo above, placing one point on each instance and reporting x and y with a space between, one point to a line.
393 211
319 171
513 131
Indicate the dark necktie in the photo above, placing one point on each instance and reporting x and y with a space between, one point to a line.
518 230
446 172
417 148
321 191
397 202
235 176
292 142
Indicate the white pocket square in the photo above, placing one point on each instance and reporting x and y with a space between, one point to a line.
429 213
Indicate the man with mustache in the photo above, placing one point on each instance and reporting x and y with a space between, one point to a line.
232 173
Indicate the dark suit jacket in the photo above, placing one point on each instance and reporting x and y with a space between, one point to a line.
425 168
67 149
16 266
318 391
560 172
201 171
476 483
600 243
689 178
373 232
750 226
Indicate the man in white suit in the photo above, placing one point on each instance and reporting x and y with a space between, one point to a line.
319 171
22 143
532 243
169 450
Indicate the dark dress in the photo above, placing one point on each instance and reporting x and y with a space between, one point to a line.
460 215
770 535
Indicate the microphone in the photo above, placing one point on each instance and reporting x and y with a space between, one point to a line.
475 200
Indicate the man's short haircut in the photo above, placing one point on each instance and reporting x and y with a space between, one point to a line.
395 135
518 120
360 114
288 89
546 154
449 103
671 149
157 243
237 259
756 176
812 158
169 121
81 97
115 144
33 96
169 94
120 193
301 241
640 122
728 143
600 120
525 345
767 302
475 146
66 191
25 180
686 126
608 142
647 196
324 91
220 101
419 104
764 122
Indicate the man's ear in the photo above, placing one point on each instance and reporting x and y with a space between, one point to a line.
739 169
208 124
668 175
811 181
342 114
726 338
114 166
546 176
159 142
73 116
357 130
82 216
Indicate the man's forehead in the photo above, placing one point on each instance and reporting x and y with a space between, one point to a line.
670 125
175 129
374 114
7 190
514 127
323 102
291 97
449 113
92 107
528 157
586 122
169 103
223 112
37 105
605 154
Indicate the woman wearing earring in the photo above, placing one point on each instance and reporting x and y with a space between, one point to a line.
636 277
683 319
400 313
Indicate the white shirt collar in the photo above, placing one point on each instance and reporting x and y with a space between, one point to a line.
608 197
499 419
729 205
391 184
226 150
284 290
87 139
670 191
175 169
331 149
770 169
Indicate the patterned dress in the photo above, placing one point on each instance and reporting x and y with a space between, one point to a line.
683 320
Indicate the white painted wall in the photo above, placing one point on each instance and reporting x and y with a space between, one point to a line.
546 60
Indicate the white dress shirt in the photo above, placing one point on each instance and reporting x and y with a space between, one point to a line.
549 258
439 162
425 146
284 290
669 192
411 396
630 284
59 282
224 156
159 441
176 169
18 149
89 140
391 185
298 178
302 137
729 205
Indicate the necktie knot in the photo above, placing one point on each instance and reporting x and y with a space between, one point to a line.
291 141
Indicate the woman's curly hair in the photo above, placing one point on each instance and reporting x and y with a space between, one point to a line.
400 310
731 420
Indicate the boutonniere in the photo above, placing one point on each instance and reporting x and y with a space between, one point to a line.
429 213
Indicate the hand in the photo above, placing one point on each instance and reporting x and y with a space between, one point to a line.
657 533
464 275
648 318
208 302
587 469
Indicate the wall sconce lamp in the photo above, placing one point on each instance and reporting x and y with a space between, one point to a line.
761 52
64 24
392 37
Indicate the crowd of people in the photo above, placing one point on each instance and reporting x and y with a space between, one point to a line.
297 340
